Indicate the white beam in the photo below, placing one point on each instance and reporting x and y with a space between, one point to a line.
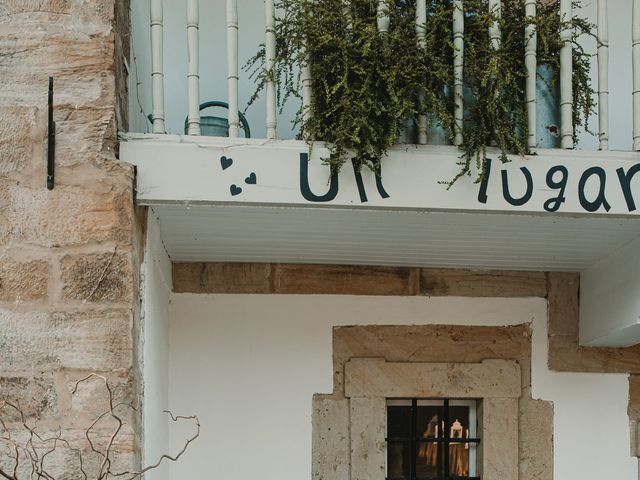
610 299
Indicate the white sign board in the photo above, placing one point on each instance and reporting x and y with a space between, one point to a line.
223 171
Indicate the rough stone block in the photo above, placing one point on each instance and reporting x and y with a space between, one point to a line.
17 132
345 280
368 446
536 439
86 396
64 216
330 460
95 340
23 281
374 377
499 439
97 277
565 354
634 440
563 303
428 343
633 408
37 397
221 277
482 283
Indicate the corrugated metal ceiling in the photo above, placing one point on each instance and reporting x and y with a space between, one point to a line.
379 237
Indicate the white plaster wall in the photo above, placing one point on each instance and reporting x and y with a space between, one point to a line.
248 365
251 19
156 290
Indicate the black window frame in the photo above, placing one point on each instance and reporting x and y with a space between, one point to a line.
443 460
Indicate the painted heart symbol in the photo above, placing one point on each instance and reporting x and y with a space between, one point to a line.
225 162
251 179
235 190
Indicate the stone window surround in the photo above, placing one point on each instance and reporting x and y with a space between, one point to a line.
496 383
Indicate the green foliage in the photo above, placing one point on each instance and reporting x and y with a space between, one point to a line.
367 84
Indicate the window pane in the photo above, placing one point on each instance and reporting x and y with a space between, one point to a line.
458 451
399 460
413 450
427 455
428 420
399 421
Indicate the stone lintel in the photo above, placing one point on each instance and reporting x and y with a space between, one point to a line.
374 377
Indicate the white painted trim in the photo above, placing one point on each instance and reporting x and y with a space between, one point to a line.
173 169
610 299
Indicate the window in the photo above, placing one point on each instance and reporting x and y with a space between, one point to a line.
431 439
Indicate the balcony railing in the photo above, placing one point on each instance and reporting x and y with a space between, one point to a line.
234 26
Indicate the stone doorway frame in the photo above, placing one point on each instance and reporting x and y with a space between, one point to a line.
369 382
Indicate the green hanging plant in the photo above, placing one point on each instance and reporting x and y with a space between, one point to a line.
366 84
496 79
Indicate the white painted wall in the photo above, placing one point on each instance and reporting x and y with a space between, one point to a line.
251 20
156 290
248 365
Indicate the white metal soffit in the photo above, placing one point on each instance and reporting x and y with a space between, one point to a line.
320 235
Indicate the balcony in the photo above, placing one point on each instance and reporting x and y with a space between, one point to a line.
270 198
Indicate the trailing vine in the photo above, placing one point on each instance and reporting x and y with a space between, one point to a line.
366 84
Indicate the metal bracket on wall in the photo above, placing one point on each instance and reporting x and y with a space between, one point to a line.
51 140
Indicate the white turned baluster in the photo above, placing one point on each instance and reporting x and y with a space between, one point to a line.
636 74
531 63
193 76
305 69
421 20
383 17
232 66
458 69
306 92
566 73
270 54
157 71
495 7
603 74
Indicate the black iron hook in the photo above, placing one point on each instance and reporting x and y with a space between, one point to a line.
51 140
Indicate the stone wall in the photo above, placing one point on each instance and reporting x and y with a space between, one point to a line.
69 256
